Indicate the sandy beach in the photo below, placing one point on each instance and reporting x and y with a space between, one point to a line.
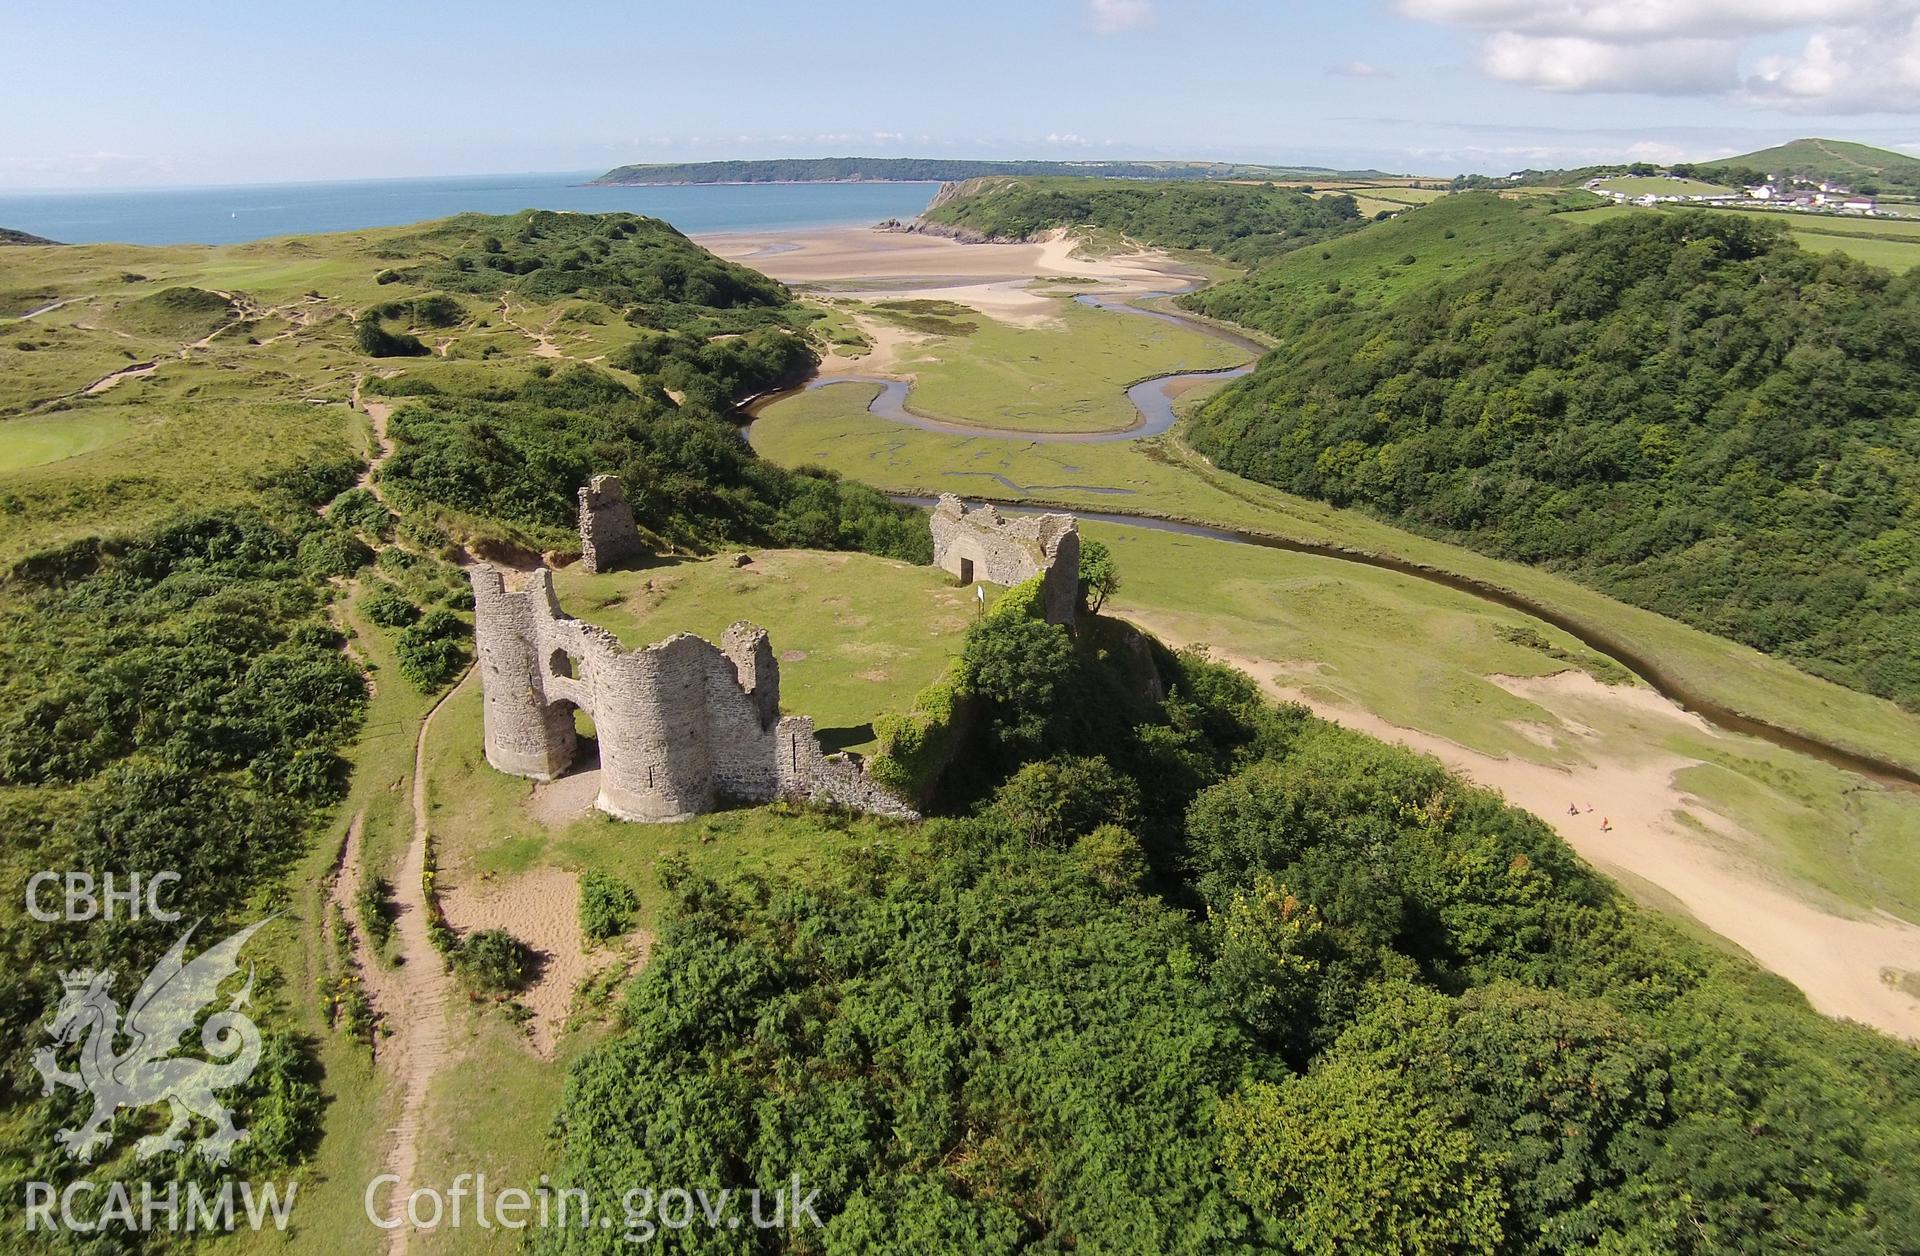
1838 962
1003 281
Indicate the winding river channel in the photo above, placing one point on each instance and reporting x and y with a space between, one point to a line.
1154 399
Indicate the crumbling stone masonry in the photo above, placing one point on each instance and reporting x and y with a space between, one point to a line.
980 544
608 537
684 725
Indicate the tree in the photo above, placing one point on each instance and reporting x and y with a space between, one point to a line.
1099 575
1348 1159
1017 666
1056 801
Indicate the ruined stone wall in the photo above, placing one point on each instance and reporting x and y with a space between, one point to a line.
684 725
608 537
981 544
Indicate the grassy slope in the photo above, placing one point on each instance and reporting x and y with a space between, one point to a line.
1446 238
1825 158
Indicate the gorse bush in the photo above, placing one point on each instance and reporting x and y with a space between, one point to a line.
492 961
173 703
434 649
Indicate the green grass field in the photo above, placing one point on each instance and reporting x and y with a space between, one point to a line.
1069 376
856 636
1628 185
35 442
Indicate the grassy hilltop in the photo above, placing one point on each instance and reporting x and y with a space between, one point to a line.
1819 160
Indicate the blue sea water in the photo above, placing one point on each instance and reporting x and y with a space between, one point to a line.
231 215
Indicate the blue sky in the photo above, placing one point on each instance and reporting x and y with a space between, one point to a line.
109 94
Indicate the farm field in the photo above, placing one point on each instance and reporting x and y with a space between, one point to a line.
1628 185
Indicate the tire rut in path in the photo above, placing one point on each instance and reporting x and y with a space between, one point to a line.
419 1046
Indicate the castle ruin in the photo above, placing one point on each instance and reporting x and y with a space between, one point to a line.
684 725
608 537
981 544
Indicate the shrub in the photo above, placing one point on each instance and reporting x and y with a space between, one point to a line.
377 342
607 905
493 961
433 651
389 607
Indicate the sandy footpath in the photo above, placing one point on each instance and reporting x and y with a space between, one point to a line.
996 279
1837 962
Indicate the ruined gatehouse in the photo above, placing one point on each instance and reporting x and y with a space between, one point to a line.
684 725
982 544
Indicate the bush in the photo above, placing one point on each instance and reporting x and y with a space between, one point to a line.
433 651
1056 801
377 342
389 607
493 961
607 905
1016 666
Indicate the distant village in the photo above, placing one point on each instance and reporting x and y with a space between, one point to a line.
1779 193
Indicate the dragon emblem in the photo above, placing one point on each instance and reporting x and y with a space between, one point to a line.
168 1004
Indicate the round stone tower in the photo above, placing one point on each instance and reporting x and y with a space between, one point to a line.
528 732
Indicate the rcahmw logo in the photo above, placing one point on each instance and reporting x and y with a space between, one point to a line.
166 1007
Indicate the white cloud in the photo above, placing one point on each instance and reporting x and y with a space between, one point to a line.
1641 19
1110 17
1870 68
1356 69
1571 63
1857 55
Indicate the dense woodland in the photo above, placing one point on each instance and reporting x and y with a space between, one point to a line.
1201 975
1688 411
1245 223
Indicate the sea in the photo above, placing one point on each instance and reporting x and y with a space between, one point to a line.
234 215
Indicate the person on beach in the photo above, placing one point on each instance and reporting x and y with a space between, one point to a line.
1606 825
